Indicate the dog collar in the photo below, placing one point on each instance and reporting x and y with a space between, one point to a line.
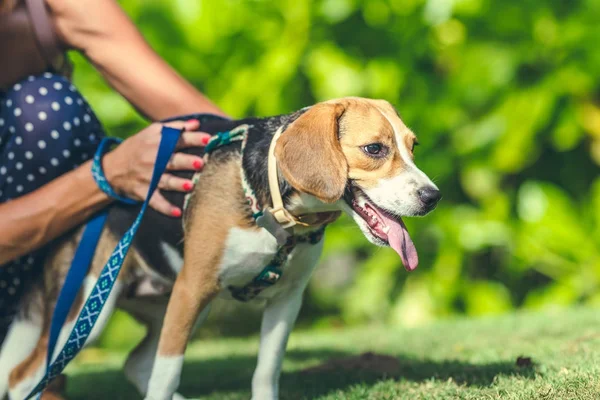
280 213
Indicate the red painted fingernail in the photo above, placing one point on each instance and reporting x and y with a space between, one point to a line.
176 212
198 164
205 140
187 186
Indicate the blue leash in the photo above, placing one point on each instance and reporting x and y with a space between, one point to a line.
85 252
83 258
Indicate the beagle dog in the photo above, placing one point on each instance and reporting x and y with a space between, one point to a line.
349 155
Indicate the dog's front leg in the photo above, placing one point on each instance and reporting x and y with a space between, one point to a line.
195 287
277 322
188 299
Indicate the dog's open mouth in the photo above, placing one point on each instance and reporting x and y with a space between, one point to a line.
385 227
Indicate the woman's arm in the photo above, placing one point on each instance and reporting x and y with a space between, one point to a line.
30 221
103 32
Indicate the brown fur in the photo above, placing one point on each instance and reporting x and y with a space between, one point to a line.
31 364
309 153
363 123
206 234
55 388
408 136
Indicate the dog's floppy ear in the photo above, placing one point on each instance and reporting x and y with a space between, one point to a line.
310 156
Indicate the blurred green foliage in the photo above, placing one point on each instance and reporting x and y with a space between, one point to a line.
504 96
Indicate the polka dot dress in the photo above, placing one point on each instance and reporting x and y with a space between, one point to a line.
46 129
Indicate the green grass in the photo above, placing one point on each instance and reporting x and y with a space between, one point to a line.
453 359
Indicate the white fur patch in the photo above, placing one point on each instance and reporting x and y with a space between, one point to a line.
139 364
173 256
166 374
24 387
20 341
246 253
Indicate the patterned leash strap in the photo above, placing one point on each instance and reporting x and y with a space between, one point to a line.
85 251
101 291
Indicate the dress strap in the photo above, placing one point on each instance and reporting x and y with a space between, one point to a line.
45 34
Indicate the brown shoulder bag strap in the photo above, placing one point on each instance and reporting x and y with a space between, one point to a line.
45 34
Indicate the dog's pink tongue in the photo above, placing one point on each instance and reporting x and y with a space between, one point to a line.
400 241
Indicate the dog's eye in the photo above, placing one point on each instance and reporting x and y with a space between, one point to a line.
375 150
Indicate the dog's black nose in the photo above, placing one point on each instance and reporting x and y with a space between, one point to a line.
429 196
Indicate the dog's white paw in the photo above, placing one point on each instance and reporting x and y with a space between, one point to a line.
261 397
176 396
268 393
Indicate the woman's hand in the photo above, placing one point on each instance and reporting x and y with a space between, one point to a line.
128 167
30 221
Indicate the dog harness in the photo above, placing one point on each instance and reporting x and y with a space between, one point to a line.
272 272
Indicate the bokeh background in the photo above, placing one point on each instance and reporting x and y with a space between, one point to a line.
503 95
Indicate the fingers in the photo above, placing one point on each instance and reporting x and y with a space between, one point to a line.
183 162
189 125
169 182
179 161
193 139
174 183
160 204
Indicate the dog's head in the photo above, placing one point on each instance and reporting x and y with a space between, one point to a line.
358 155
